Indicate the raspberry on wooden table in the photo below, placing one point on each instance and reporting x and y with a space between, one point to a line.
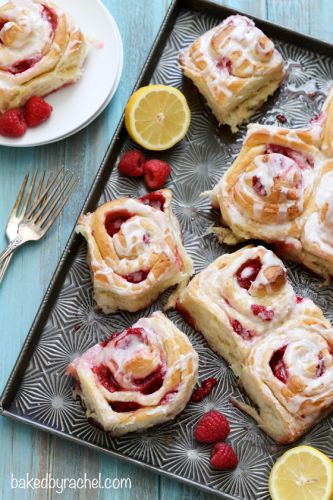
212 427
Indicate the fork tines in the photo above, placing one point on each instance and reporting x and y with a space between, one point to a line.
48 199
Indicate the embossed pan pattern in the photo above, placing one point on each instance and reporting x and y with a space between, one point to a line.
38 391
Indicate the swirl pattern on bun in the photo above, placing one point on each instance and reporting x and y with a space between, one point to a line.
41 50
235 67
277 343
279 190
138 378
135 251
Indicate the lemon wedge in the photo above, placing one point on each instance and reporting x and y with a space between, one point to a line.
302 473
157 117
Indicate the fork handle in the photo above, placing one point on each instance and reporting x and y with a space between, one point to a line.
13 245
4 267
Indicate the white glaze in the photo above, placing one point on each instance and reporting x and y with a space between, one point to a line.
35 32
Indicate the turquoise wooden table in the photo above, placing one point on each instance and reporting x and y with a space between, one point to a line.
23 449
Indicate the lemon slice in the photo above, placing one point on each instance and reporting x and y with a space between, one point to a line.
302 473
157 117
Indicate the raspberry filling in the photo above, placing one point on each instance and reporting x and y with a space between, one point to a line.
152 383
278 366
224 64
262 312
50 16
186 315
240 330
137 277
106 378
258 186
147 385
146 238
155 200
23 65
248 272
167 397
321 368
299 299
204 390
124 406
104 343
154 380
299 158
114 221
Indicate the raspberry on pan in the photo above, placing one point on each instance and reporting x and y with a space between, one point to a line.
156 173
212 427
131 163
223 457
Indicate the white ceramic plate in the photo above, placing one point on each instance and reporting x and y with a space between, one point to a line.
76 106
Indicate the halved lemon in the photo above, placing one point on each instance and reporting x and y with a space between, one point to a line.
302 473
157 117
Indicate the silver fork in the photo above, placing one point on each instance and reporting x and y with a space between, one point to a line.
46 205
15 218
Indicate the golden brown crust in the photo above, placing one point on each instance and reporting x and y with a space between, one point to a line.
235 67
278 344
154 346
274 191
143 257
56 47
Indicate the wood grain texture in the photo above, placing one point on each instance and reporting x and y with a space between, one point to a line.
27 450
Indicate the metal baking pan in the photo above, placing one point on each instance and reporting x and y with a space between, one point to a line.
38 391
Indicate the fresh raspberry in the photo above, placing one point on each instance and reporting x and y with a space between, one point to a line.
202 391
212 427
223 457
12 123
131 163
37 111
156 173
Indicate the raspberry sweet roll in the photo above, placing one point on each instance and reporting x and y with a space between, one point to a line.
238 299
41 50
266 191
278 344
235 67
317 234
135 251
138 378
289 376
